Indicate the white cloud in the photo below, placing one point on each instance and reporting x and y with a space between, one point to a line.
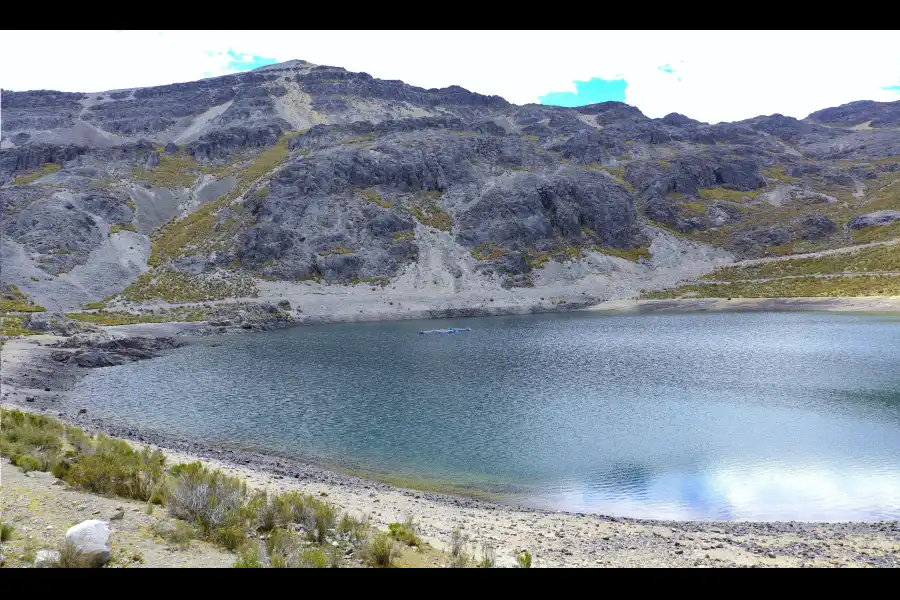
724 75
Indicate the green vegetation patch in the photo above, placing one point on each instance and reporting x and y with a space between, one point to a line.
374 197
720 193
300 530
692 209
812 287
778 172
617 173
405 532
204 230
426 210
175 286
874 259
102 317
382 281
43 171
177 170
12 307
339 249
633 254
404 235
488 251
113 229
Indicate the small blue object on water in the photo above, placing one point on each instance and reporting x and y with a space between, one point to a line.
443 331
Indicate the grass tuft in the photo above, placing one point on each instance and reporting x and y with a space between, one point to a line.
381 551
405 532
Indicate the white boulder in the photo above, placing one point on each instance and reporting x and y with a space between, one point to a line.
46 559
91 541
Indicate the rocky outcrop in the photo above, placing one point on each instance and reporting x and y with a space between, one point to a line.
53 323
220 144
815 227
874 219
758 240
877 114
93 353
263 316
64 227
538 211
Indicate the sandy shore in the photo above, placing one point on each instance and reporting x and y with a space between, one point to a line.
869 304
32 380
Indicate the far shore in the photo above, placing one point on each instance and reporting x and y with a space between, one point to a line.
864 304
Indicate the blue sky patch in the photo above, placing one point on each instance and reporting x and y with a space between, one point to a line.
666 69
588 92
892 88
247 62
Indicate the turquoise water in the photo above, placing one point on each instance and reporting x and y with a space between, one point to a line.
759 416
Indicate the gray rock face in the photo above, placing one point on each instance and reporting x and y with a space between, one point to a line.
65 227
220 144
535 211
875 219
91 541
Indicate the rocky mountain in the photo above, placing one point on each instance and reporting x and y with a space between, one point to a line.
295 180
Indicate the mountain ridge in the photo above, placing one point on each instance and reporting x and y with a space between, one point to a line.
316 179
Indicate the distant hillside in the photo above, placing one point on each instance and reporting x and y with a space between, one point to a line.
312 177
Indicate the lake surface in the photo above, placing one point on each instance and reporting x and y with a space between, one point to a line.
736 416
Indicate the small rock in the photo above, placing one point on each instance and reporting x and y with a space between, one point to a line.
770 555
29 399
117 516
46 389
46 559
82 411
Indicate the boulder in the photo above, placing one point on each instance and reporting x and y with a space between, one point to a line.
91 541
815 227
53 323
46 559
874 219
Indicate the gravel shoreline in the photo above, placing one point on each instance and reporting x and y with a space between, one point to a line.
32 380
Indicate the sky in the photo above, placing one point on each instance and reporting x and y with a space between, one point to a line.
707 75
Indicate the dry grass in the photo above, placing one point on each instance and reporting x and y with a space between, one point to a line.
175 286
179 170
729 195
806 287
877 258
488 251
43 171
426 210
